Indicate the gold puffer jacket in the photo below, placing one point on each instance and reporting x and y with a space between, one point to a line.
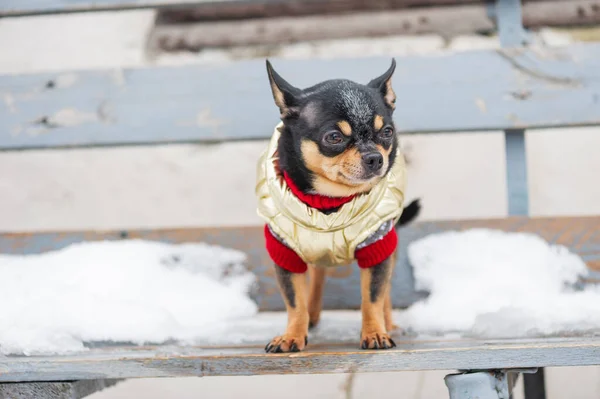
320 239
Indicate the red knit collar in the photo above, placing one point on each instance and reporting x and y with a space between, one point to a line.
320 202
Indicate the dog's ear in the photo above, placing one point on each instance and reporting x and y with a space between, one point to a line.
285 95
384 84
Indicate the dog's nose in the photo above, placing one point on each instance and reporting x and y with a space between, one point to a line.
373 161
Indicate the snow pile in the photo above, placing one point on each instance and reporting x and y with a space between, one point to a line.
489 283
123 291
482 282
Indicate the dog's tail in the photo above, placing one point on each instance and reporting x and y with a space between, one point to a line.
410 212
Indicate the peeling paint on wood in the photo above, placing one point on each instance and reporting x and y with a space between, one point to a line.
410 354
67 117
62 81
9 101
520 88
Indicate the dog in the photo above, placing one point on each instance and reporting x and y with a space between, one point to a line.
330 187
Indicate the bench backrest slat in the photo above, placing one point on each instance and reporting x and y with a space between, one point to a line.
467 91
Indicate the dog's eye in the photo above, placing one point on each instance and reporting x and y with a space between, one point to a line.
387 133
333 138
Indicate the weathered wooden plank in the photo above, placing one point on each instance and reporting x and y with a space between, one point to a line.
193 29
255 9
237 7
411 354
18 7
259 9
193 37
560 13
450 21
480 90
580 234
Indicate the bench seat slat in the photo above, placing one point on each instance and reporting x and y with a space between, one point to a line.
172 361
580 234
464 91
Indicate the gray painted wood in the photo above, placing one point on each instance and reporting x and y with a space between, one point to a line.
479 90
579 234
481 385
53 390
411 354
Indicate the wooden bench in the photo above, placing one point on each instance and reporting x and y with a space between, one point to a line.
512 89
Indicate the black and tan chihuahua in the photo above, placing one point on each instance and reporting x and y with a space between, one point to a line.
338 140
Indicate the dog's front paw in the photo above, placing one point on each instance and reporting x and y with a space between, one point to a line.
287 343
376 340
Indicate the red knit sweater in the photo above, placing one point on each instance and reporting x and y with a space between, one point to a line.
366 257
